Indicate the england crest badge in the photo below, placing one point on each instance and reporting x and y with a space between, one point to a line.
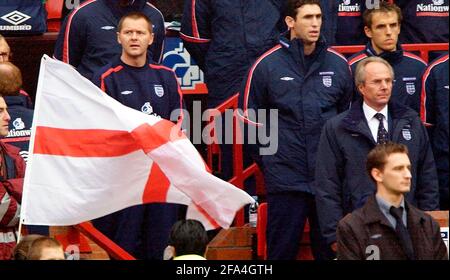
410 88
327 81
159 90
406 134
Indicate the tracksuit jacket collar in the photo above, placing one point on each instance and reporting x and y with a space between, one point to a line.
390 57
296 49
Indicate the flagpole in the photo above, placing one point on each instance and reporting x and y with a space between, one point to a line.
31 148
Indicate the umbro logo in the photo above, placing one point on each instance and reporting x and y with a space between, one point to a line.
107 27
15 17
376 236
126 92
287 79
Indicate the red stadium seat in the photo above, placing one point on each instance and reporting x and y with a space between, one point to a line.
54 11
261 224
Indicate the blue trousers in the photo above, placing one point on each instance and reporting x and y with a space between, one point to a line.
286 216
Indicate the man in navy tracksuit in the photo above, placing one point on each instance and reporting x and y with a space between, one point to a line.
434 112
382 27
136 82
342 183
88 35
307 83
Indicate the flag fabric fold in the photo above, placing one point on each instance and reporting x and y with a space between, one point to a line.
91 156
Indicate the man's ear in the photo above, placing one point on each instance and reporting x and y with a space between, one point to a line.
377 175
368 32
290 21
152 37
359 87
118 39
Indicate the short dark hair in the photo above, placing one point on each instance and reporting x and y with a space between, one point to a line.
293 5
377 156
135 15
188 237
384 7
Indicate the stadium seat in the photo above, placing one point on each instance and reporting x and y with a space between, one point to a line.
54 11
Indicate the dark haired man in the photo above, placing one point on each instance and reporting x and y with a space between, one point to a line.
307 83
388 227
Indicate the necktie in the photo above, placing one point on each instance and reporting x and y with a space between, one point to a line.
402 232
382 135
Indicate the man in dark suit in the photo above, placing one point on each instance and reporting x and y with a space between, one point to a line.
341 183
388 227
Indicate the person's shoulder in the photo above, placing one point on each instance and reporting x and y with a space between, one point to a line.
439 63
107 70
270 58
86 10
422 216
355 218
411 58
161 68
336 121
336 57
153 12
10 150
357 57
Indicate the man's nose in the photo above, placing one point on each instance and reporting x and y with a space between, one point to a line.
7 116
315 21
408 174
388 30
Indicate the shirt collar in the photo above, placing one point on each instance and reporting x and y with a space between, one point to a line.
369 112
385 209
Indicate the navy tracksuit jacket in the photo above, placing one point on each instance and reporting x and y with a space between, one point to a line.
305 98
88 38
408 71
434 111
306 91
